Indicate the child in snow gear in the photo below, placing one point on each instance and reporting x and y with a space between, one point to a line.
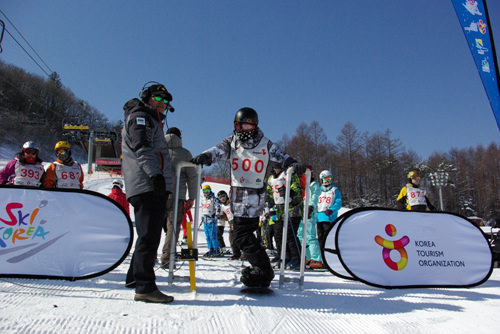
119 196
64 172
328 205
25 169
412 197
148 177
276 193
250 154
221 222
227 215
209 207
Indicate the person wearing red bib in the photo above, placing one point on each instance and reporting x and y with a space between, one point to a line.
412 197
251 156
64 172
25 169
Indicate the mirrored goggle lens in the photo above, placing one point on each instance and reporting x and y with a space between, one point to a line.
159 98
244 127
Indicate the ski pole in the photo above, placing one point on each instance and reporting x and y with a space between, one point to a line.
305 222
285 225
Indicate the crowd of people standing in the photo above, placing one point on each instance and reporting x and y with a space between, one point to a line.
254 207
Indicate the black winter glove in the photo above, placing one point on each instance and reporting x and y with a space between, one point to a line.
299 168
282 191
310 212
202 159
159 185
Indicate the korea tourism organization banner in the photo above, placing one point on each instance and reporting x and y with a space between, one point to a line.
475 22
61 233
401 249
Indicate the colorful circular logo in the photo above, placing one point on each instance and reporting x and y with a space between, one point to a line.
397 245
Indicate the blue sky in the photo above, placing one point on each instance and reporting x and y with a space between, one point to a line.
398 65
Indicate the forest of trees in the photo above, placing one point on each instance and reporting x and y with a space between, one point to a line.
369 169
40 107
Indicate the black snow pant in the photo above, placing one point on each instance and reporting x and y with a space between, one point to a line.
149 220
220 237
322 229
292 242
244 239
236 251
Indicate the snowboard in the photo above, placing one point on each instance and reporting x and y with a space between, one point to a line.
247 290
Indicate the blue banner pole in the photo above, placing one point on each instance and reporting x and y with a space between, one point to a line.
475 22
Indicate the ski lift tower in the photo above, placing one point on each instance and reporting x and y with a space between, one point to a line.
76 128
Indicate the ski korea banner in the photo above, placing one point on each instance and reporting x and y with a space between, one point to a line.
61 233
405 249
473 17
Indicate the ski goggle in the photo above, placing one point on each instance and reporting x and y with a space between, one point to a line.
244 127
31 151
206 190
159 98
61 151
222 196
326 179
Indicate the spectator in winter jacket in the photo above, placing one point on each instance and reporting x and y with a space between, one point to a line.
412 197
64 172
25 169
250 154
187 184
119 196
276 194
329 204
148 177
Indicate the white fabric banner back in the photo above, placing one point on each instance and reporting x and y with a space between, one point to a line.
62 233
398 249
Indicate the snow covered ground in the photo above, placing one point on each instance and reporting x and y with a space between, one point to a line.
327 304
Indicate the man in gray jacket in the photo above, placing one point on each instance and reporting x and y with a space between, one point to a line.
187 183
148 178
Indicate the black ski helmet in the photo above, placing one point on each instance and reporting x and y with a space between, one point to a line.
222 192
247 115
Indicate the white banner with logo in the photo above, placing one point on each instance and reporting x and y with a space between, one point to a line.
69 234
398 249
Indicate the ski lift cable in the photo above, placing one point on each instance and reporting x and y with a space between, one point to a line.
26 41
43 70
1 34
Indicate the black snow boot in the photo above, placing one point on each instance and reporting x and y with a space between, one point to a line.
256 277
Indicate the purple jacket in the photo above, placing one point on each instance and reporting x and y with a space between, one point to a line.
8 172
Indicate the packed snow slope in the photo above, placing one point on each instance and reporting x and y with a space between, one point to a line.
327 304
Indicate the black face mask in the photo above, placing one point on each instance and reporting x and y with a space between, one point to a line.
64 157
244 136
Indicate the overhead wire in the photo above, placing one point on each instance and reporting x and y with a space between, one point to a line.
30 46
